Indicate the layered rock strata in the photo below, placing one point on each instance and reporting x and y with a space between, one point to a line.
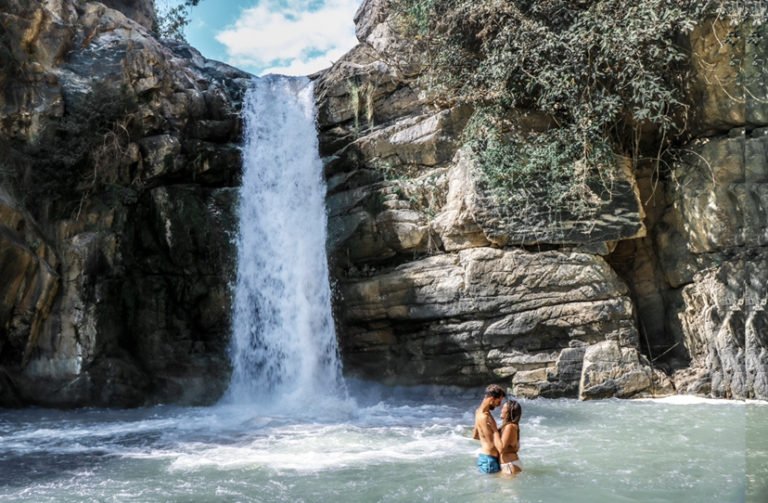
529 318
439 282
712 234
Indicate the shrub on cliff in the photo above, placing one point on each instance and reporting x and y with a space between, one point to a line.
609 76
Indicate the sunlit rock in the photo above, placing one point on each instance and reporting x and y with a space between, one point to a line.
727 86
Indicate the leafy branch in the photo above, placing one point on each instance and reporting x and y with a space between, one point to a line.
172 20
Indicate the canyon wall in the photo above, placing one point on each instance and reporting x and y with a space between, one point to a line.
118 176
119 168
659 292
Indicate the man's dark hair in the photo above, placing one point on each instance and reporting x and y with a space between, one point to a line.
495 391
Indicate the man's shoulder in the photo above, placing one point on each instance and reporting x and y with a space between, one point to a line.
484 417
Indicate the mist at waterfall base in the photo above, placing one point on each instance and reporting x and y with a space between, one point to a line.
291 430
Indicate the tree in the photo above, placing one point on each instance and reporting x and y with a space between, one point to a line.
171 21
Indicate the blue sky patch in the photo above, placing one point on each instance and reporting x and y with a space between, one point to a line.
292 37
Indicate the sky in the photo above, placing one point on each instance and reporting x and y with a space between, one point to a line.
289 37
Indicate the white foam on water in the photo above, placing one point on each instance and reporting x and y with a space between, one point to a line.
689 400
379 434
312 449
104 430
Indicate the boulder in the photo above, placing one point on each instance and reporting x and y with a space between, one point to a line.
611 370
472 210
483 314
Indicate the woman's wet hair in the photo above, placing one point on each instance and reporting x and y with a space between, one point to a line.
517 410
512 413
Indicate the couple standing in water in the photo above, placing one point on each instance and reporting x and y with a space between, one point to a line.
498 445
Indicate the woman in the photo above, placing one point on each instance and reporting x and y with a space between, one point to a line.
509 432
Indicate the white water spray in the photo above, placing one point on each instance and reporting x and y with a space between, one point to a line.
284 345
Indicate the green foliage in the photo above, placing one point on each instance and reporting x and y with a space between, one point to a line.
548 170
605 72
361 100
419 14
171 21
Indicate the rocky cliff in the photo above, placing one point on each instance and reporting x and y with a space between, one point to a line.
119 162
659 291
118 173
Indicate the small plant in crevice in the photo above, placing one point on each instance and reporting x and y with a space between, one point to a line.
361 102
105 160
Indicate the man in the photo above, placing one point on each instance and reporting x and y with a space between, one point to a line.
486 430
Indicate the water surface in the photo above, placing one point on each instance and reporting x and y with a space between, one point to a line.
387 446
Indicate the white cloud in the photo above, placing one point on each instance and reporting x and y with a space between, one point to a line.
290 38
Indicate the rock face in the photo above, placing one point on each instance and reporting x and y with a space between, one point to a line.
728 84
655 293
141 11
434 286
712 234
724 325
717 212
481 313
119 161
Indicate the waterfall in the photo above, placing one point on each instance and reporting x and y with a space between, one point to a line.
283 345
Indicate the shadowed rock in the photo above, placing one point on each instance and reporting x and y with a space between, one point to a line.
122 153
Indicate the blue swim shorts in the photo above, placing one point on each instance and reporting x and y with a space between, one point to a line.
488 464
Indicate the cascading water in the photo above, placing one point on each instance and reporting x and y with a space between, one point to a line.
283 343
